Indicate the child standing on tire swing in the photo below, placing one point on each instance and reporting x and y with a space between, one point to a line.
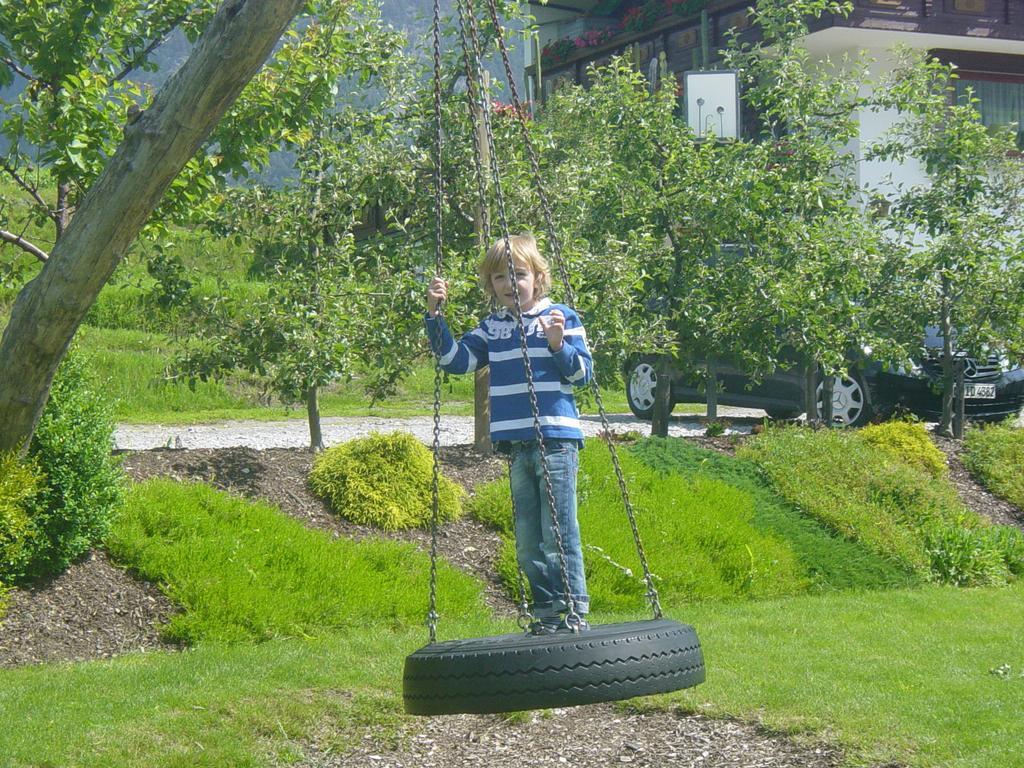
560 360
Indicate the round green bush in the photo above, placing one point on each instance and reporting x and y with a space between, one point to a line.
384 481
19 484
84 485
907 442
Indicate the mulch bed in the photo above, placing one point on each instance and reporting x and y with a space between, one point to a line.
94 610
974 495
595 735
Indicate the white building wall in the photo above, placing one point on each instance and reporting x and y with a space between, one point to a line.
880 46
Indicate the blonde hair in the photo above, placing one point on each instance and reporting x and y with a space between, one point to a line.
524 250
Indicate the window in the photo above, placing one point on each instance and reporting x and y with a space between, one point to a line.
1000 98
997 80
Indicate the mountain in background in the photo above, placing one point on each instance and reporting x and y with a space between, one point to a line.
413 17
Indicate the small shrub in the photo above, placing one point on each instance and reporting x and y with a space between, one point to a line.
384 481
84 484
19 484
907 442
491 504
965 557
716 428
995 454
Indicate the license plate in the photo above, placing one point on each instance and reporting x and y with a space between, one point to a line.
980 391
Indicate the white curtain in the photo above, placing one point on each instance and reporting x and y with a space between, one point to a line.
999 103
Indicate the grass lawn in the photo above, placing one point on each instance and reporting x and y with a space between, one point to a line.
132 365
902 676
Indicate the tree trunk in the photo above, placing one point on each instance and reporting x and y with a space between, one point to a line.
712 391
811 393
958 410
662 399
156 147
946 326
316 436
63 217
828 383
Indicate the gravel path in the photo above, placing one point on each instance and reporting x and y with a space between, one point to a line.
455 430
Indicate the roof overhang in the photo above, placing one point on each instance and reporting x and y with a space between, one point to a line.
570 6
837 39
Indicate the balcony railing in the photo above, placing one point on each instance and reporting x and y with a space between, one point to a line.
691 42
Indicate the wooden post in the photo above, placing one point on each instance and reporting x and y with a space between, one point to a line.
662 398
482 377
316 436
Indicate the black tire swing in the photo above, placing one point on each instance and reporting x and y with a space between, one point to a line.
512 672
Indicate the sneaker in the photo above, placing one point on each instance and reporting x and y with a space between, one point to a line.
542 627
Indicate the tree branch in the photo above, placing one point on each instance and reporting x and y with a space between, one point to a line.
27 187
25 245
13 66
157 40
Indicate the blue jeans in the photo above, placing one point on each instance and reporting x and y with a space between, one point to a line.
536 547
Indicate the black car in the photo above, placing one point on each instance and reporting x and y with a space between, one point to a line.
994 389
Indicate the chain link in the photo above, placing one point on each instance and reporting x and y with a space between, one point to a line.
556 249
432 615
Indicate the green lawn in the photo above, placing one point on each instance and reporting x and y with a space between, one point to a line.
899 676
904 675
132 363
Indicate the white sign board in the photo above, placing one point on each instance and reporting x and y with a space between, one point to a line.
713 103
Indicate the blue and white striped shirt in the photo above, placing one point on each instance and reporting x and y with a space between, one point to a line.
495 342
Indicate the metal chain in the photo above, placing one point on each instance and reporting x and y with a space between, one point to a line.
438 270
572 619
652 592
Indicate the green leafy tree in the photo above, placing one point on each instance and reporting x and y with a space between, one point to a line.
158 143
821 267
320 316
961 231
753 251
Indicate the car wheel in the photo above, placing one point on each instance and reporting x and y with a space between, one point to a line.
850 406
640 387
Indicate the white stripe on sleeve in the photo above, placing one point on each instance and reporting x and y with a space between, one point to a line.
448 356
582 369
